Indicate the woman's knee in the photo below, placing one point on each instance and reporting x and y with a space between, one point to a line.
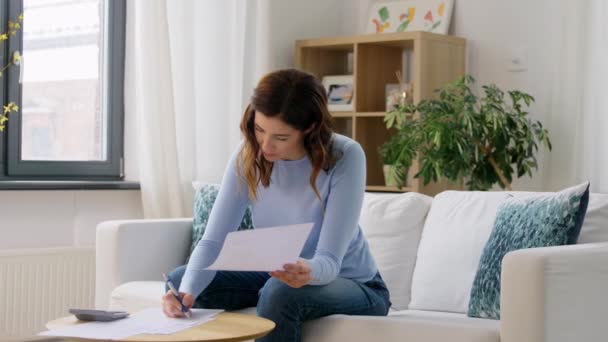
276 296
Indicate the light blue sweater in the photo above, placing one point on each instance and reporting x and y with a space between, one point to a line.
336 246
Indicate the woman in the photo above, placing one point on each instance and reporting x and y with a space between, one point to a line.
292 169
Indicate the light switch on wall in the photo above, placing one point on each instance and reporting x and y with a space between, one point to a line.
518 60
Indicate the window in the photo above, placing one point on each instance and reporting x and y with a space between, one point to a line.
69 89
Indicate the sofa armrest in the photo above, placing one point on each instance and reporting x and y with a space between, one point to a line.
137 250
555 294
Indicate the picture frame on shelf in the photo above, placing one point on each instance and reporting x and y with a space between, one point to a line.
410 15
340 92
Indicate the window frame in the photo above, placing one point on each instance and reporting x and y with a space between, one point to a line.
13 168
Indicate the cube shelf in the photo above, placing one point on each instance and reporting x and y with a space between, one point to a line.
426 60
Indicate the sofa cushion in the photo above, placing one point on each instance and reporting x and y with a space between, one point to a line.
408 325
552 219
204 198
392 224
455 232
595 226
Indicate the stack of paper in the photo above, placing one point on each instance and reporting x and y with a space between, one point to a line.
148 321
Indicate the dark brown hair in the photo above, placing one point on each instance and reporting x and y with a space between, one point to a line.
298 99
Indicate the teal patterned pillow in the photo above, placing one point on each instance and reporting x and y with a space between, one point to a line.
203 202
538 221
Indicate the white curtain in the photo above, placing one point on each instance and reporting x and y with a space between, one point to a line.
190 68
592 139
579 109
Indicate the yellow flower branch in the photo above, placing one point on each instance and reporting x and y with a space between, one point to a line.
13 28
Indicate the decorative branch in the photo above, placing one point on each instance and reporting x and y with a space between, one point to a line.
13 28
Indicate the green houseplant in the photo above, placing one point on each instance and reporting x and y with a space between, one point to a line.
462 137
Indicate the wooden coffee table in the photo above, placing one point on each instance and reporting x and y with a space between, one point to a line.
226 327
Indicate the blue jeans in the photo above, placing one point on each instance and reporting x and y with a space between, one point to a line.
288 307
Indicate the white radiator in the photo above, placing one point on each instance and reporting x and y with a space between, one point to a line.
38 285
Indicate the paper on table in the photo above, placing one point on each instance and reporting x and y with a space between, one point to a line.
161 324
147 321
262 249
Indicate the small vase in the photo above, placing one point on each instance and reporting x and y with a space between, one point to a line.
397 95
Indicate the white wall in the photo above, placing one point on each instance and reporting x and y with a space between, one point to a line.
290 20
496 31
40 219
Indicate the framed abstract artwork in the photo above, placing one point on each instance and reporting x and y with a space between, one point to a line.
340 92
410 15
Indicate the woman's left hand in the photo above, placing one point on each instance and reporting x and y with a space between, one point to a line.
295 275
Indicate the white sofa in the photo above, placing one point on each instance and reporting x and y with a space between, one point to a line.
551 294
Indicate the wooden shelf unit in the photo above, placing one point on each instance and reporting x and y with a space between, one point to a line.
426 59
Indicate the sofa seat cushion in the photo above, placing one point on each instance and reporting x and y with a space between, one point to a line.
406 325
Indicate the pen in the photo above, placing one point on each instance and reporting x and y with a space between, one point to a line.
174 291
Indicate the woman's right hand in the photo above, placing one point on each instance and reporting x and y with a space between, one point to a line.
171 306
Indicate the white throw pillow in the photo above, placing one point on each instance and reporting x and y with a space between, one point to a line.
595 225
392 224
454 235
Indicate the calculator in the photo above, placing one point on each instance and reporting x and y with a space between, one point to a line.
98 315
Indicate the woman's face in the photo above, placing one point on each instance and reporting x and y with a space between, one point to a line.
277 139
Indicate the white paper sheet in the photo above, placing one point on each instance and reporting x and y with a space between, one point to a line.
147 321
262 249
